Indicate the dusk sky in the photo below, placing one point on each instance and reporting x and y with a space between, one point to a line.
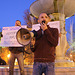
12 10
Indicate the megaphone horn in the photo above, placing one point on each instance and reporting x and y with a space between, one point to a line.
23 36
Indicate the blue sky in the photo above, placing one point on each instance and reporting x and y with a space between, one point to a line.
12 10
67 26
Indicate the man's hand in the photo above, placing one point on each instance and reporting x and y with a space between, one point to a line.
43 26
32 42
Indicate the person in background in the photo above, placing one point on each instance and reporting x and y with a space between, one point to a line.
16 52
44 46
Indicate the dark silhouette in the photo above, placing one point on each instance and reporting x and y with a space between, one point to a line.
2 62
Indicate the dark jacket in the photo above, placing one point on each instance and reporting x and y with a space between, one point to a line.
44 50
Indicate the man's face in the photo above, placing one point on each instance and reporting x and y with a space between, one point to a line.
17 23
44 17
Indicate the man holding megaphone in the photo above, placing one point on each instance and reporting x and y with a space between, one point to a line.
16 52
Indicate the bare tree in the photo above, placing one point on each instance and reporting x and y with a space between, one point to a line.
28 20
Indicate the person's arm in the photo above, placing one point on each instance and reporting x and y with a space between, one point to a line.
32 44
52 37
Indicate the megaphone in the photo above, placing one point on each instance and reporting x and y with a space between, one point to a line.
23 36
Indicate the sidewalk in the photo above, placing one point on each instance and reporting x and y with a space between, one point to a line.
4 70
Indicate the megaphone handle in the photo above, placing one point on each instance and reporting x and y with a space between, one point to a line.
25 50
